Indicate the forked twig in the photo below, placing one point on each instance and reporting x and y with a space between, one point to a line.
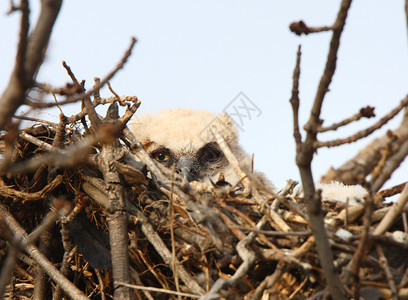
366 132
304 157
109 76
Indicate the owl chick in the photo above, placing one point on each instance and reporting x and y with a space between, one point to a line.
182 137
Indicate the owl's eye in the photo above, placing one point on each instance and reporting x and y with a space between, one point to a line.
210 154
161 155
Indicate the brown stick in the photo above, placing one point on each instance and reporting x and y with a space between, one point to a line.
366 112
294 101
387 271
305 155
69 288
97 86
366 132
117 220
14 94
353 170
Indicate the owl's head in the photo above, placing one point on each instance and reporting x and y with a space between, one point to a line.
182 137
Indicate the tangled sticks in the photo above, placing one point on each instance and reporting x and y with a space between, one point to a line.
124 224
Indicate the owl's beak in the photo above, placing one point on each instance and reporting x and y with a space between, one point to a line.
185 167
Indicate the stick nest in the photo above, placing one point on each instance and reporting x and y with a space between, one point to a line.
191 238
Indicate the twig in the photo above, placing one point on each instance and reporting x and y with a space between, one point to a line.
162 250
294 100
305 155
117 220
36 120
14 94
96 102
387 271
41 144
392 164
173 242
22 43
275 233
152 236
130 111
300 28
68 157
8 268
6 191
60 133
69 288
269 281
393 213
153 289
366 112
248 259
116 95
394 190
65 267
366 132
358 167
351 271
109 76
71 75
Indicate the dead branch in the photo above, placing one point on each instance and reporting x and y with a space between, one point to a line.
30 52
352 171
304 158
366 112
53 272
109 76
392 214
300 28
152 289
150 234
24 196
366 132
294 101
117 217
393 163
386 267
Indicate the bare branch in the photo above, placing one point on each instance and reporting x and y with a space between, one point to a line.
73 99
366 112
294 101
392 164
69 288
393 213
387 271
354 170
305 155
300 28
152 289
24 196
366 132
14 94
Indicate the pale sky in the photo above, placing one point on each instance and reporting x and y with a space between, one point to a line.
202 54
